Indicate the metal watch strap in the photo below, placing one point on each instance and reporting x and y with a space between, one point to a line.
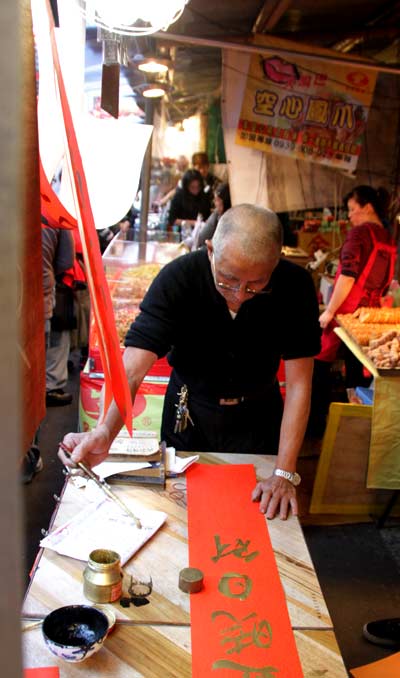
293 478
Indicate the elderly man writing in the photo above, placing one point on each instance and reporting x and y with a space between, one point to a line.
226 315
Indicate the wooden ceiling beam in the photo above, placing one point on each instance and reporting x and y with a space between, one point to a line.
334 36
269 15
307 51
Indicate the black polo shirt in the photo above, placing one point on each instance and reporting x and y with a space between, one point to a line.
185 317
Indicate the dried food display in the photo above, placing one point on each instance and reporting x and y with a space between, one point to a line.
378 338
130 268
384 351
378 315
127 291
363 332
123 319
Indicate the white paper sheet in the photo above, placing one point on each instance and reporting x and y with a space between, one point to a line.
182 464
108 468
174 464
102 525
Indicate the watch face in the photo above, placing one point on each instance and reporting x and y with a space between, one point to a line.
296 479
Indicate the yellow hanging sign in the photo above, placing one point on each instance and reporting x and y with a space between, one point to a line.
306 109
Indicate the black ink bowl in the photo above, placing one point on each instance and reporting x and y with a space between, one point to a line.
75 632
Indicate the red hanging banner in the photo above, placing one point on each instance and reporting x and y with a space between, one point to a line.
240 624
116 383
51 207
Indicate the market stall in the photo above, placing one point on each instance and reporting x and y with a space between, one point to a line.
130 267
325 234
359 468
372 334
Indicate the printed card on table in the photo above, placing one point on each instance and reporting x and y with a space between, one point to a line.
102 524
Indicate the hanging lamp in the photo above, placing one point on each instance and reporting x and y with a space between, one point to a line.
132 17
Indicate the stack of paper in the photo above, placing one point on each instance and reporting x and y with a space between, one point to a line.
140 459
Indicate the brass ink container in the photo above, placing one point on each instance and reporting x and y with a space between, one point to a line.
102 576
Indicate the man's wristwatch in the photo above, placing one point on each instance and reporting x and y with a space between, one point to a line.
293 478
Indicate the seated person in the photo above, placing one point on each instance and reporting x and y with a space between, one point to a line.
222 202
189 201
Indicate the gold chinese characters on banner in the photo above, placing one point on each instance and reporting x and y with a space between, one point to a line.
306 109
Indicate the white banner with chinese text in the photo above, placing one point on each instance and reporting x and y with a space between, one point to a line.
306 109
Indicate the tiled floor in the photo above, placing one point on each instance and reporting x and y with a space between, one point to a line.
358 565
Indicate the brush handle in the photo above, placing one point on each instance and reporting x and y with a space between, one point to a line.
103 485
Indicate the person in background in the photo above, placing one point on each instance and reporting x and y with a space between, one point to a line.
124 226
220 313
367 261
62 321
166 194
182 165
188 202
222 202
201 163
57 257
80 336
383 632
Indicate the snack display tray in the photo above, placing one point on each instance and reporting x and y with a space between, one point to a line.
359 352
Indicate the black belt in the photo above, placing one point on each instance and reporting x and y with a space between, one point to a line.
208 398
244 399
232 401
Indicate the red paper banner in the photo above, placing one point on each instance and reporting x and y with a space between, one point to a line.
42 672
239 622
51 207
116 383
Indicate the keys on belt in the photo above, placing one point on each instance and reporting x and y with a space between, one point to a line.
182 411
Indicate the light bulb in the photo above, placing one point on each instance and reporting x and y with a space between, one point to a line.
118 12
152 66
122 16
153 92
161 12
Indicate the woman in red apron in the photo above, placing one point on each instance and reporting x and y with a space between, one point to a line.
366 268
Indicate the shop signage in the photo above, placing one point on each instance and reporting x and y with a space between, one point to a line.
306 109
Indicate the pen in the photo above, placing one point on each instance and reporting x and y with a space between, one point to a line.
102 484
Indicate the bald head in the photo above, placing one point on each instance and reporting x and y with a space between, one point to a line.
255 232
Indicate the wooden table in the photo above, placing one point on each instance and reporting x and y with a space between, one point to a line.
153 641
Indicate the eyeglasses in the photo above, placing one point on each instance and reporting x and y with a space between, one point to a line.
235 290
231 289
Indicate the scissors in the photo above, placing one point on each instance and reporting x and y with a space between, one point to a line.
101 483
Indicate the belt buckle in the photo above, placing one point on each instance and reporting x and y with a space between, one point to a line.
230 401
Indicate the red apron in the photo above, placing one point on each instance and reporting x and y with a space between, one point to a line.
330 342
